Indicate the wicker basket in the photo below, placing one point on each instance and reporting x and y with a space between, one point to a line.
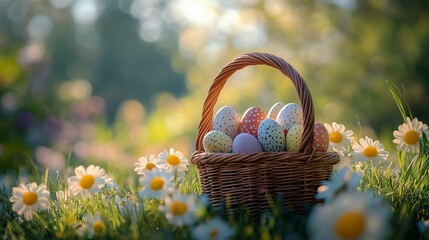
253 180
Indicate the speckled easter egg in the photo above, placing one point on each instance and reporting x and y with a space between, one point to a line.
320 138
293 138
246 143
290 115
227 121
217 142
251 120
274 110
271 136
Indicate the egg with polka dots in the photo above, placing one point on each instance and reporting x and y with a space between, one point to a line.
293 138
320 138
271 136
217 142
290 115
251 120
275 109
246 143
227 121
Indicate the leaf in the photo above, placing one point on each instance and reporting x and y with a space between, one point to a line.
400 98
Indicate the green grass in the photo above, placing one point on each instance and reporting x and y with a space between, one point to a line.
406 191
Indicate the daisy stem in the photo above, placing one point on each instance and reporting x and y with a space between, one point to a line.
46 178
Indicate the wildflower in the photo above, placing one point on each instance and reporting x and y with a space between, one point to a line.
424 229
92 226
352 215
409 134
87 181
110 184
345 161
202 204
128 206
29 198
173 161
180 210
156 184
339 138
62 196
215 228
146 164
345 179
369 150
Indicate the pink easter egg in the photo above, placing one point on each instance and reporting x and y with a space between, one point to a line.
320 138
251 120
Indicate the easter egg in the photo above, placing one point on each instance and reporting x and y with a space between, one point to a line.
290 115
251 120
293 138
320 138
217 142
271 136
246 143
227 121
275 109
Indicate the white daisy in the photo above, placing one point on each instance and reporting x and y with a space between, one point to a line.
92 226
146 164
215 228
352 215
29 198
339 138
409 135
156 184
344 179
369 150
87 181
173 161
180 210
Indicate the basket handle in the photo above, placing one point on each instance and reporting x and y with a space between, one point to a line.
206 123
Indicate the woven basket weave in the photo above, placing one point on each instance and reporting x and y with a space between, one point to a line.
253 180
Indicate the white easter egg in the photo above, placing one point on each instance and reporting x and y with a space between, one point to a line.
227 121
271 136
289 115
217 142
246 143
275 109
293 138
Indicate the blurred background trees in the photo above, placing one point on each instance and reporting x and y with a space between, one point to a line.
110 81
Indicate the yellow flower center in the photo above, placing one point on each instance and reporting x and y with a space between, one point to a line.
178 208
173 160
213 234
411 137
370 151
99 227
335 137
29 198
350 225
87 181
150 166
156 183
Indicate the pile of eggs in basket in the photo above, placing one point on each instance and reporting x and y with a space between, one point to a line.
279 131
